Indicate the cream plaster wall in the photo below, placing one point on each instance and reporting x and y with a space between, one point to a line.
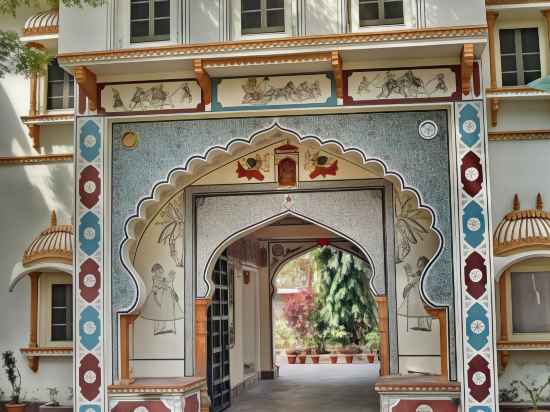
442 13
28 194
518 167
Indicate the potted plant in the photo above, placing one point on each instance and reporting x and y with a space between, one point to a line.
373 343
534 391
14 378
291 355
350 351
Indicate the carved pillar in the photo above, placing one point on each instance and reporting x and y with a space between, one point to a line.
491 24
382 303
33 98
441 316
33 337
546 14
126 322
201 336
503 303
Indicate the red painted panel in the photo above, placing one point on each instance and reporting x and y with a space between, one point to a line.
131 406
436 406
192 403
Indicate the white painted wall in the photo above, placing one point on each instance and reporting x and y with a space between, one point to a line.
441 13
518 167
28 194
84 28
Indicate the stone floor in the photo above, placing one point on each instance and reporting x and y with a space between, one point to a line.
314 388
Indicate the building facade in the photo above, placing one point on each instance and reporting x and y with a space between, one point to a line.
177 150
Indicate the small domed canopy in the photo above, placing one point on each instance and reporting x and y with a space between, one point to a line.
51 250
522 230
45 22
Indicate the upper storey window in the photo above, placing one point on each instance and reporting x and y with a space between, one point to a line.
60 88
262 16
149 20
520 56
380 12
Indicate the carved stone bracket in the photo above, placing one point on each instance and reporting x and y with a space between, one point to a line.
204 81
466 67
87 83
336 62
34 134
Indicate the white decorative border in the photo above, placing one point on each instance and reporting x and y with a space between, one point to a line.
476 291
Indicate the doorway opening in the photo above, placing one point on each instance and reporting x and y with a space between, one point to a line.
293 323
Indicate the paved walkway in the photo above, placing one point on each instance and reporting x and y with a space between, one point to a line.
314 388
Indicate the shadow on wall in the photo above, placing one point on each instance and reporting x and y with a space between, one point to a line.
28 195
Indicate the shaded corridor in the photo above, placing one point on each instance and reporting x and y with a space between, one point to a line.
314 388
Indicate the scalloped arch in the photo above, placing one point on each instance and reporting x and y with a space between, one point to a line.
214 157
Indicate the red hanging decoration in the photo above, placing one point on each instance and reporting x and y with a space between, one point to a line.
325 170
249 173
323 242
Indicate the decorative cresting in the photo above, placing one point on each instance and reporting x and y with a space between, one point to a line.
476 272
45 22
200 164
522 230
53 243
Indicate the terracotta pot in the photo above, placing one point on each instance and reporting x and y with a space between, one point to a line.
302 359
370 357
315 359
15 407
333 358
291 359
349 358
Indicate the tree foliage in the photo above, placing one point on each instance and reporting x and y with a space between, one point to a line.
297 312
342 291
15 56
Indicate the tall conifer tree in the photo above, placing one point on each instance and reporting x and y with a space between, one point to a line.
346 304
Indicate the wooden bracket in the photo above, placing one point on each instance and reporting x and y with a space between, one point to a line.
34 134
466 67
504 357
336 62
441 316
204 81
87 85
201 336
495 107
382 303
125 322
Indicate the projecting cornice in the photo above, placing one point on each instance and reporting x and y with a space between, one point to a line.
328 42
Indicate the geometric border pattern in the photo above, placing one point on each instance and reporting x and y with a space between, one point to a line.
476 284
89 296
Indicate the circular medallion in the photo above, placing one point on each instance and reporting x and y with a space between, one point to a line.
471 174
89 377
479 378
474 224
477 327
90 141
476 275
89 233
89 186
424 408
469 126
89 281
129 140
428 129
277 250
89 328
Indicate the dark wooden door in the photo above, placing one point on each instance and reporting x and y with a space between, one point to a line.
219 385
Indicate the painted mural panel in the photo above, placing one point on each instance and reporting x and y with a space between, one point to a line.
164 96
390 86
158 346
306 90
